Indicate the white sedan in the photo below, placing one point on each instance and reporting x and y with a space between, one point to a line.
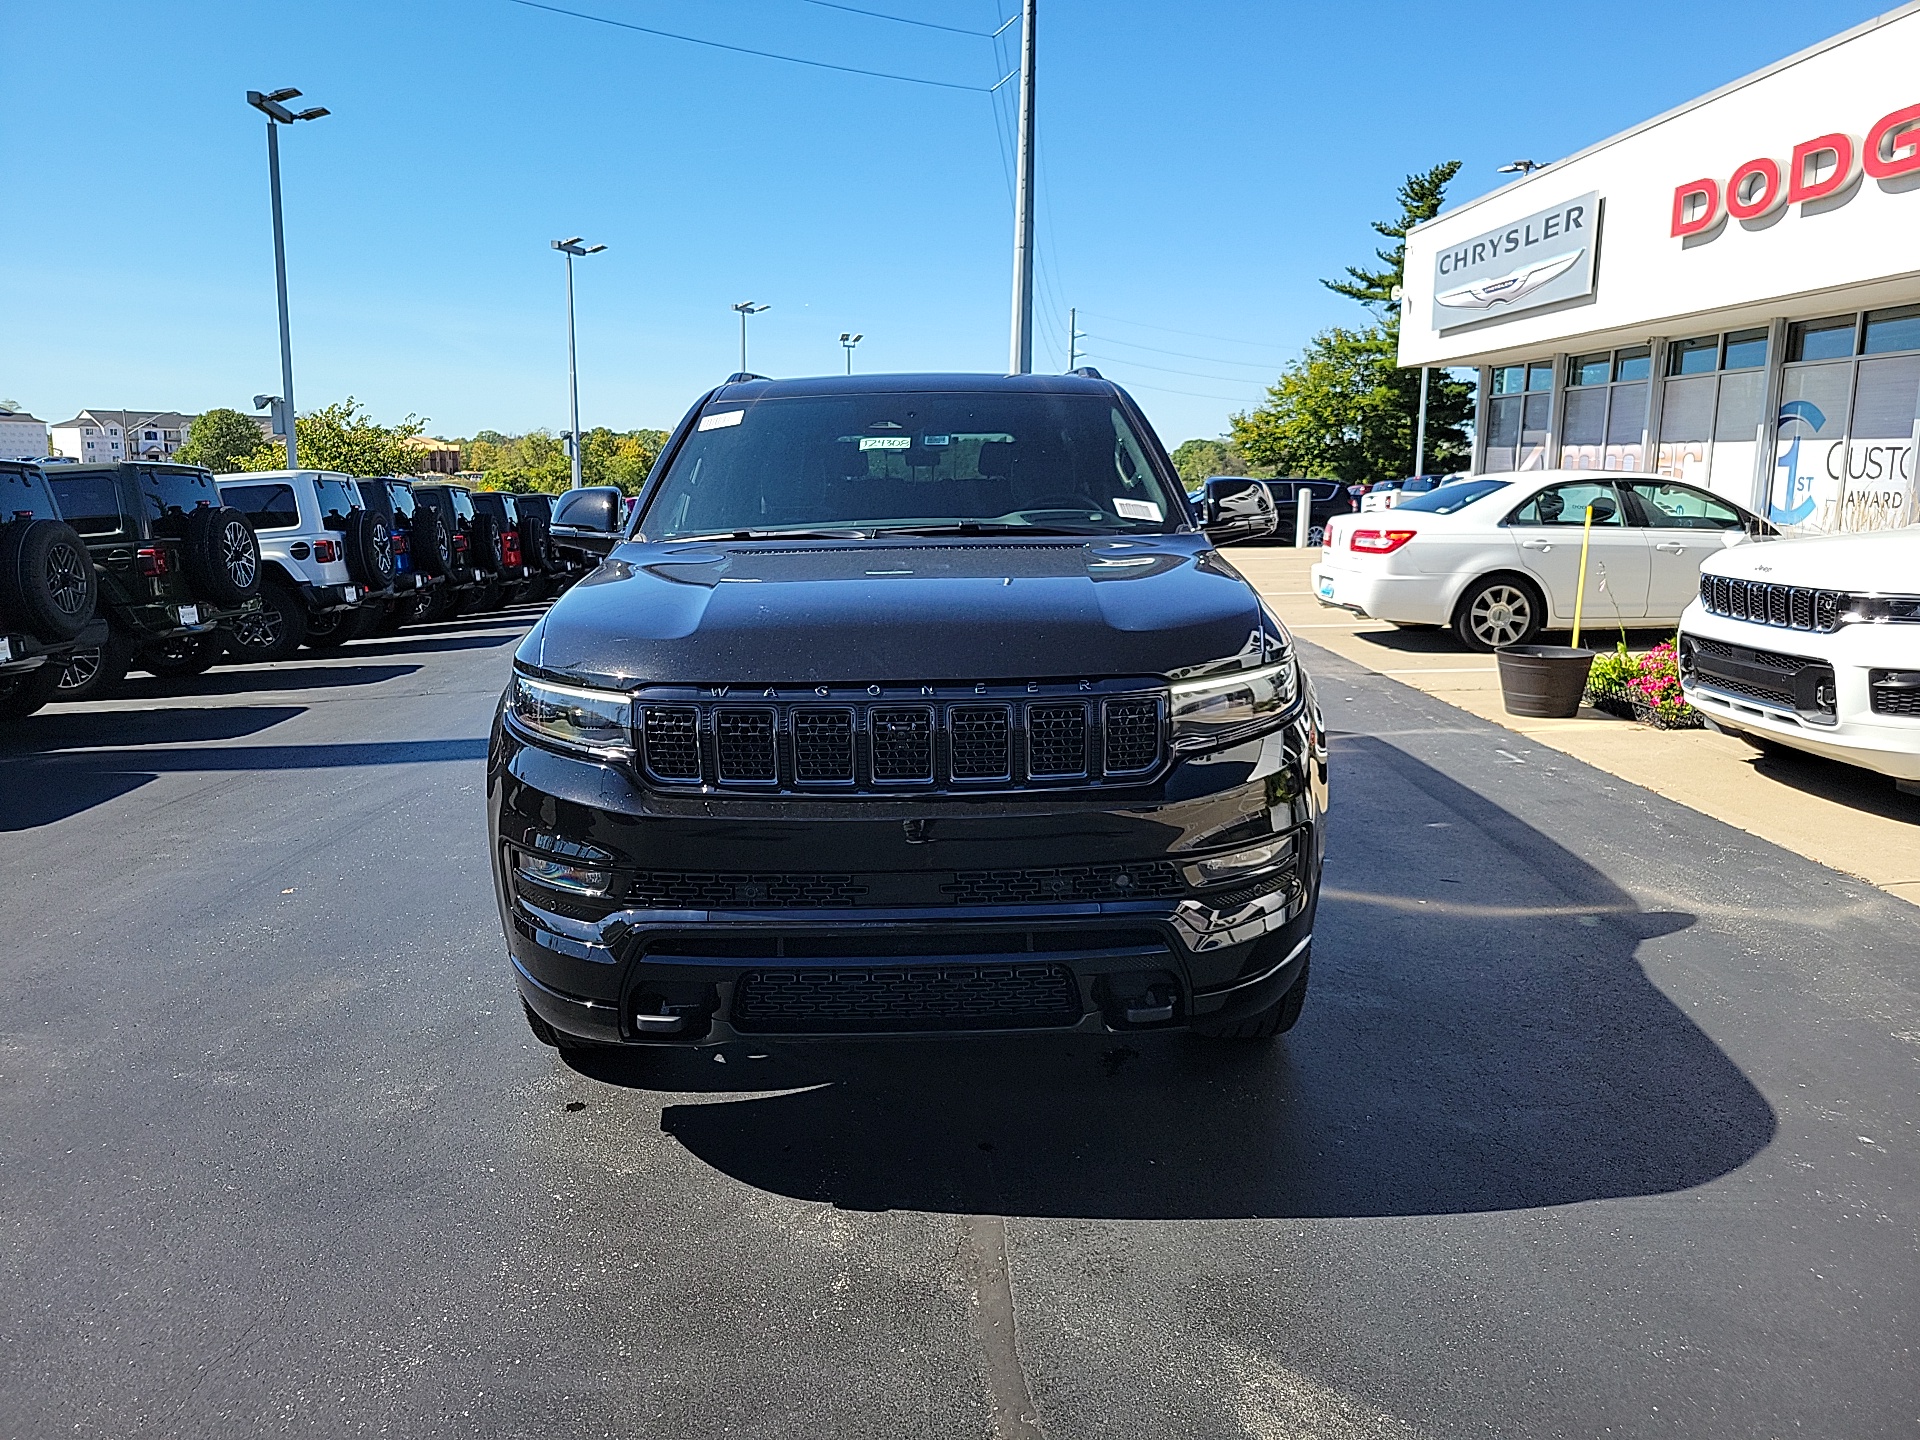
1497 557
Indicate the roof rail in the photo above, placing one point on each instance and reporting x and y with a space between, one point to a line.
739 375
1086 372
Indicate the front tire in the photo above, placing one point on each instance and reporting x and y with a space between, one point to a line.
182 655
1498 611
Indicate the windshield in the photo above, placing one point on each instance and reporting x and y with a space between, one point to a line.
1449 498
1012 460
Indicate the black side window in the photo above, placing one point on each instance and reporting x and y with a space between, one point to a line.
267 507
90 503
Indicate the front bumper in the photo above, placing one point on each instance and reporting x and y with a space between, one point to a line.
818 918
1751 691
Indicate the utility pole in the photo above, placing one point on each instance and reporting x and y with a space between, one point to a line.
746 308
571 247
1420 431
1021 361
1074 337
277 114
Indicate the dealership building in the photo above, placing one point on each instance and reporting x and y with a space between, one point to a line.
1728 293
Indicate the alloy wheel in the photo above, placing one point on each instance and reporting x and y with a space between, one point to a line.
81 667
67 575
261 630
237 553
1500 615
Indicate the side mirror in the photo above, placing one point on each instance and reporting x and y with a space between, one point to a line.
588 520
1233 508
1603 510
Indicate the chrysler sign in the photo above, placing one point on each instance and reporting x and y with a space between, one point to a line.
1536 260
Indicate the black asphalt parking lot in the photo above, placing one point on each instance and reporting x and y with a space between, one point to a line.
1600 1122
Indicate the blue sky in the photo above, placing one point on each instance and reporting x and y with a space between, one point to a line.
1203 165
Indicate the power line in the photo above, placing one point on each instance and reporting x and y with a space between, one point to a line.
763 54
1183 354
900 19
1195 394
1196 334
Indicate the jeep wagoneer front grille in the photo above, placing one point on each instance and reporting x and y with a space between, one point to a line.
1791 607
903 740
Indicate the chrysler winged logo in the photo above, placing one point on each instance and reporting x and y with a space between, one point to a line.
1504 289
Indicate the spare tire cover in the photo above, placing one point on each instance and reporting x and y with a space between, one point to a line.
431 550
222 556
369 550
47 581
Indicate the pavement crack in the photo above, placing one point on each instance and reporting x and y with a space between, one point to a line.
1015 1416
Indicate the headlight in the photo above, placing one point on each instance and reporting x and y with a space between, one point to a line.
1882 609
1212 712
599 722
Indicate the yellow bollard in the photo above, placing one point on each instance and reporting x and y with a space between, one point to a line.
1580 595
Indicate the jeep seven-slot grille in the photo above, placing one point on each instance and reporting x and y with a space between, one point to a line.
905 997
884 745
1791 607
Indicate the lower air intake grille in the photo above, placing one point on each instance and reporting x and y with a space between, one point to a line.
1153 880
1057 740
1894 692
906 997
672 736
672 890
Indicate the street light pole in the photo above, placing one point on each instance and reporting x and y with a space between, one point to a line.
571 247
277 114
746 308
1021 360
849 340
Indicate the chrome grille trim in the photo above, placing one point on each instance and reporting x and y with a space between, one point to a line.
1786 607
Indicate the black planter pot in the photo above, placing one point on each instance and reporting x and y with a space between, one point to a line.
1544 681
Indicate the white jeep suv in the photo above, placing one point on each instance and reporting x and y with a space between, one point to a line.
1813 643
321 554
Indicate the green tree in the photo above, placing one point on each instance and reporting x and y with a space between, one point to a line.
1197 459
344 437
1345 407
222 440
538 461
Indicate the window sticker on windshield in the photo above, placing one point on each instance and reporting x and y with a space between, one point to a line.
722 419
931 441
885 442
1137 509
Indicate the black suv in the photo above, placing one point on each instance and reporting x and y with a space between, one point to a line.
551 570
463 579
47 591
174 566
497 549
911 704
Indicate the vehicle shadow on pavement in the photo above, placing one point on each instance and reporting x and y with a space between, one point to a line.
241 682
1440 640
410 645
1480 1036
1847 785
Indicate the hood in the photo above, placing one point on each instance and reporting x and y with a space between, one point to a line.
1873 562
898 611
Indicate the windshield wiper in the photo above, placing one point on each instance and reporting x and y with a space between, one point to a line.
775 535
986 527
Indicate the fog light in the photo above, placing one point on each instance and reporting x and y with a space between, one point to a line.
562 876
1218 869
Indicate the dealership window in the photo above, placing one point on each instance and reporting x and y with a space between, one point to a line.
1604 426
1519 416
1850 392
1710 410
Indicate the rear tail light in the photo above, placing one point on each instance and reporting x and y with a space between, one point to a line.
1381 542
153 560
326 551
510 546
459 541
401 544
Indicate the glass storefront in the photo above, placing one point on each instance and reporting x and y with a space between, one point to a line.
1606 410
1519 416
1849 396
1710 408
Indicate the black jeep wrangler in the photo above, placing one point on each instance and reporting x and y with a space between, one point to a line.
463 577
174 566
47 591
908 705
